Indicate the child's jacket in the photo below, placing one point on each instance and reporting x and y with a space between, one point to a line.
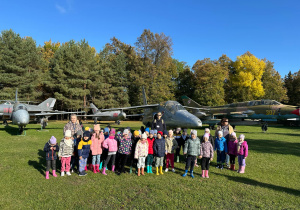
84 148
141 150
111 144
171 145
66 148
150 143
159 147
125 146
96 146
192 147
243 149
51 154
232 147
220 144
207 150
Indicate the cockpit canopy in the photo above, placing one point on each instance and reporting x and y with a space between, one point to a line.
263 102
20 107
172 106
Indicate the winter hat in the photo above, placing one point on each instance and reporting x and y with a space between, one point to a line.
147 129
220 132
155 131
52 140
86 134
152 132
125 132
159 132
79 133
233 134
68 133
242 136
165 132
144 136
206 135
87 128
140 132
171 132
112 131
207 130
178 129
194 132
97 127
106 130
185 130
136 133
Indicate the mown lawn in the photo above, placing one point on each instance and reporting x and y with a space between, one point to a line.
271 179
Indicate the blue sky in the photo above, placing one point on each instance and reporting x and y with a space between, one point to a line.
199 29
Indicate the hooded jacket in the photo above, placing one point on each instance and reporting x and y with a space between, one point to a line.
232 146
51 153
141 149
66 148
125 145
192 147
243 149
220 144
111 144
84 148
159 147
171 145
207 150
96 146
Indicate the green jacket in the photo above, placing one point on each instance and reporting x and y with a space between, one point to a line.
192 147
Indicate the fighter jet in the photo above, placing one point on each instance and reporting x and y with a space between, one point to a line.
20 113
264 110
173 114
97 115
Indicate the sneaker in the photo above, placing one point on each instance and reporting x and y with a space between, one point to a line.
173 170
62 173
218 166
72 171
82 173
68 173
166 170
222 167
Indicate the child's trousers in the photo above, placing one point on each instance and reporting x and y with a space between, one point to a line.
141 162
96 160
149 160
242 160
159 161
65 164
170 158
205 163
49 163
190 162
232 159
112 157
82 164
221 156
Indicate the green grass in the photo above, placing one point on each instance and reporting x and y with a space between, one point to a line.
271 179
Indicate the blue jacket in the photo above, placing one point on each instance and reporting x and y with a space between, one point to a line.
159 147
220 144
84 148
51 154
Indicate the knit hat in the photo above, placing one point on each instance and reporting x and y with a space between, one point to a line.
206 135
144 136
112 131
79 133
125 131
97 127
178 129
242 136
155 131
86 134
68 133
220 132
170 131
140 132
207 129
165 132
147 129
159 132
194 132
52 140
136 133
233 134
106 130
152 132
87 128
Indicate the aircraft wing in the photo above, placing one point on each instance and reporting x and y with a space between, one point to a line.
132 107
48 114
196 108
135 115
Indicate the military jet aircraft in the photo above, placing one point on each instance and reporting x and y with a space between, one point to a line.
264 110
97 115
173 114
20 113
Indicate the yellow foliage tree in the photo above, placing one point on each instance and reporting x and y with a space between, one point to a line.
245 78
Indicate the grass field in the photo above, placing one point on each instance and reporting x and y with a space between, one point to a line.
271 180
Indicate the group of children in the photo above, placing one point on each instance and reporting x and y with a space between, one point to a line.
144 149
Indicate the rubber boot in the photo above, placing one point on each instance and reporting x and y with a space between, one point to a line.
100 166
185 173
53 173
160 170
90 167
203 173
157 171
97 168
206 174
242 171
130 170
85 168
192 175
177 159
148 170
47 174
113 168
94 169
143 171
103 172
139 172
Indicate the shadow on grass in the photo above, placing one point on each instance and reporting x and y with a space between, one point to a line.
273 146
248 181
14 131
39 165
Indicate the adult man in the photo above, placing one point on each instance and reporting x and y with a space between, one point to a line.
159 124
73 125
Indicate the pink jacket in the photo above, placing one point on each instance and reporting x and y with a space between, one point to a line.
232 147
96 146
243 149
111 144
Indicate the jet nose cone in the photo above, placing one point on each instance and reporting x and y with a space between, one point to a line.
194 122
296 112
122 116
21 117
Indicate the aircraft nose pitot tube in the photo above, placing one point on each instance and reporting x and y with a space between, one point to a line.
20 117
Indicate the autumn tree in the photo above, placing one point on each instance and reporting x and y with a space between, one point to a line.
292 84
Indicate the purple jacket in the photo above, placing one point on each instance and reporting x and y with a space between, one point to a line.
232 147
206 150
243 149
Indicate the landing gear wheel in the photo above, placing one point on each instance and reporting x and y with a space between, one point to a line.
118 122
21 129
44 124
5 123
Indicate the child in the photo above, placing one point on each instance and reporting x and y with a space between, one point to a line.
232 145
112 145
105 151
149 159
134 139
159 148
171 146
155 133
83 152
66 149
147 131
211 138
242 152
177 136
96 148
51 148
221 147
207 154
181 143
74 157
192 149
141 152
123 151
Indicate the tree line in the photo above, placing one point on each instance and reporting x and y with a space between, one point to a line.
76 74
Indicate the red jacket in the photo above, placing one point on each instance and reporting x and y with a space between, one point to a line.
150 148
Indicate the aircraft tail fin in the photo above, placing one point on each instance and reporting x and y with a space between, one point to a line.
144 96
49 103
189 102
16 99
94 108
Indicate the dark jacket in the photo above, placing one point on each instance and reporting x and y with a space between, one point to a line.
84 148
158 125
51 153
159 147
